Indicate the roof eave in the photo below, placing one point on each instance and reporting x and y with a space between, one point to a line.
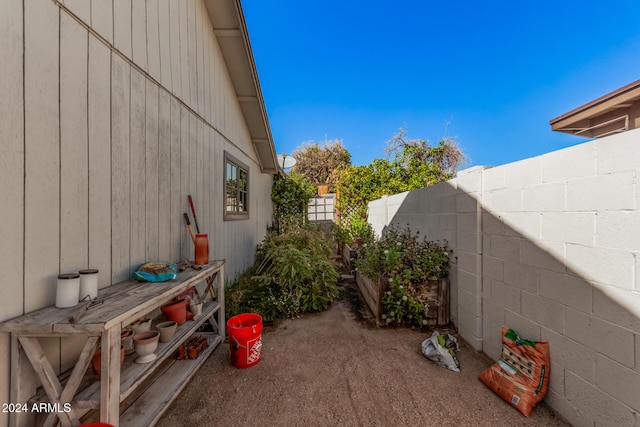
569 122
227 20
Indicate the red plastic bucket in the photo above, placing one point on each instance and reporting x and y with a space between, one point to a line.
245 339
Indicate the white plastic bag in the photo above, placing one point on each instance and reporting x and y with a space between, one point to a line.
441 349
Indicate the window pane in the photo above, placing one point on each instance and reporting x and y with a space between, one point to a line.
236 191
243 202
243 181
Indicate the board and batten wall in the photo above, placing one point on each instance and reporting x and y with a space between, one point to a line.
113 111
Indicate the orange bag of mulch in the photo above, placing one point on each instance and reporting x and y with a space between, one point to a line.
521 376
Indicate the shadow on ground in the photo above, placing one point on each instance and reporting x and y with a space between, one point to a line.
337 368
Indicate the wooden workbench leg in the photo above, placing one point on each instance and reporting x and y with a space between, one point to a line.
52 386
23 384
110 377
75 378
221 319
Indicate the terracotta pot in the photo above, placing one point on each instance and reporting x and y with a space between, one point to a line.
323 189
176 311
96 362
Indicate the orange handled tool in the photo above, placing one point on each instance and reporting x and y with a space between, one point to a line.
193 212
193 236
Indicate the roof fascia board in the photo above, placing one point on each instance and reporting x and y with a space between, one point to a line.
597 106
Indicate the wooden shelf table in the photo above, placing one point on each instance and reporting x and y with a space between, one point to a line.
116 307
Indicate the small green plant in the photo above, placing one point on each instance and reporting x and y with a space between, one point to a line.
409 265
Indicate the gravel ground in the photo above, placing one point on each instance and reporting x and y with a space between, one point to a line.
335 369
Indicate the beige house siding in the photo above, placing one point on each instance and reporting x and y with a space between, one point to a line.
113 112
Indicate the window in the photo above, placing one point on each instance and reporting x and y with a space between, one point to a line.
236 188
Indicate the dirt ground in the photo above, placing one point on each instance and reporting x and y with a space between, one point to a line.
336 369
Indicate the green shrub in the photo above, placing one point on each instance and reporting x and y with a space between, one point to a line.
292 275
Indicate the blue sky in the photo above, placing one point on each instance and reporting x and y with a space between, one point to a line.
490 74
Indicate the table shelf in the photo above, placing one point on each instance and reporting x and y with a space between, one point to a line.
116 394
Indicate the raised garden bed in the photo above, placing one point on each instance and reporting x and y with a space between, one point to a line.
437 294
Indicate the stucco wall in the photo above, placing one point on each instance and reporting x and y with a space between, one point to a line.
558 260
113 112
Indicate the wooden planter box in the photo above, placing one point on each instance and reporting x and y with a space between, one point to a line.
438 298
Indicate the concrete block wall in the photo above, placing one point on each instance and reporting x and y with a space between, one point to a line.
558 259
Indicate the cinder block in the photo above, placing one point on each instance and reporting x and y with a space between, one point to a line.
468 222
617 153
619 306
544 198
547 257
435 205
637 337
556 378
486 244
569 227
469 282
467 202
492 268
492 223
469 303
493 179
470 262
470 242
450 236
618 230
566 353
523 173
474 341
526 328
506 248
566 410
448 204
506 296
506 200
636 257
447 221
573 162
442 189
602 193
492 322
469 182
602 336
409 202
469 321
486 288
486 201
607 266
565 289
595 404
543 311
522 224
521 276
620 382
